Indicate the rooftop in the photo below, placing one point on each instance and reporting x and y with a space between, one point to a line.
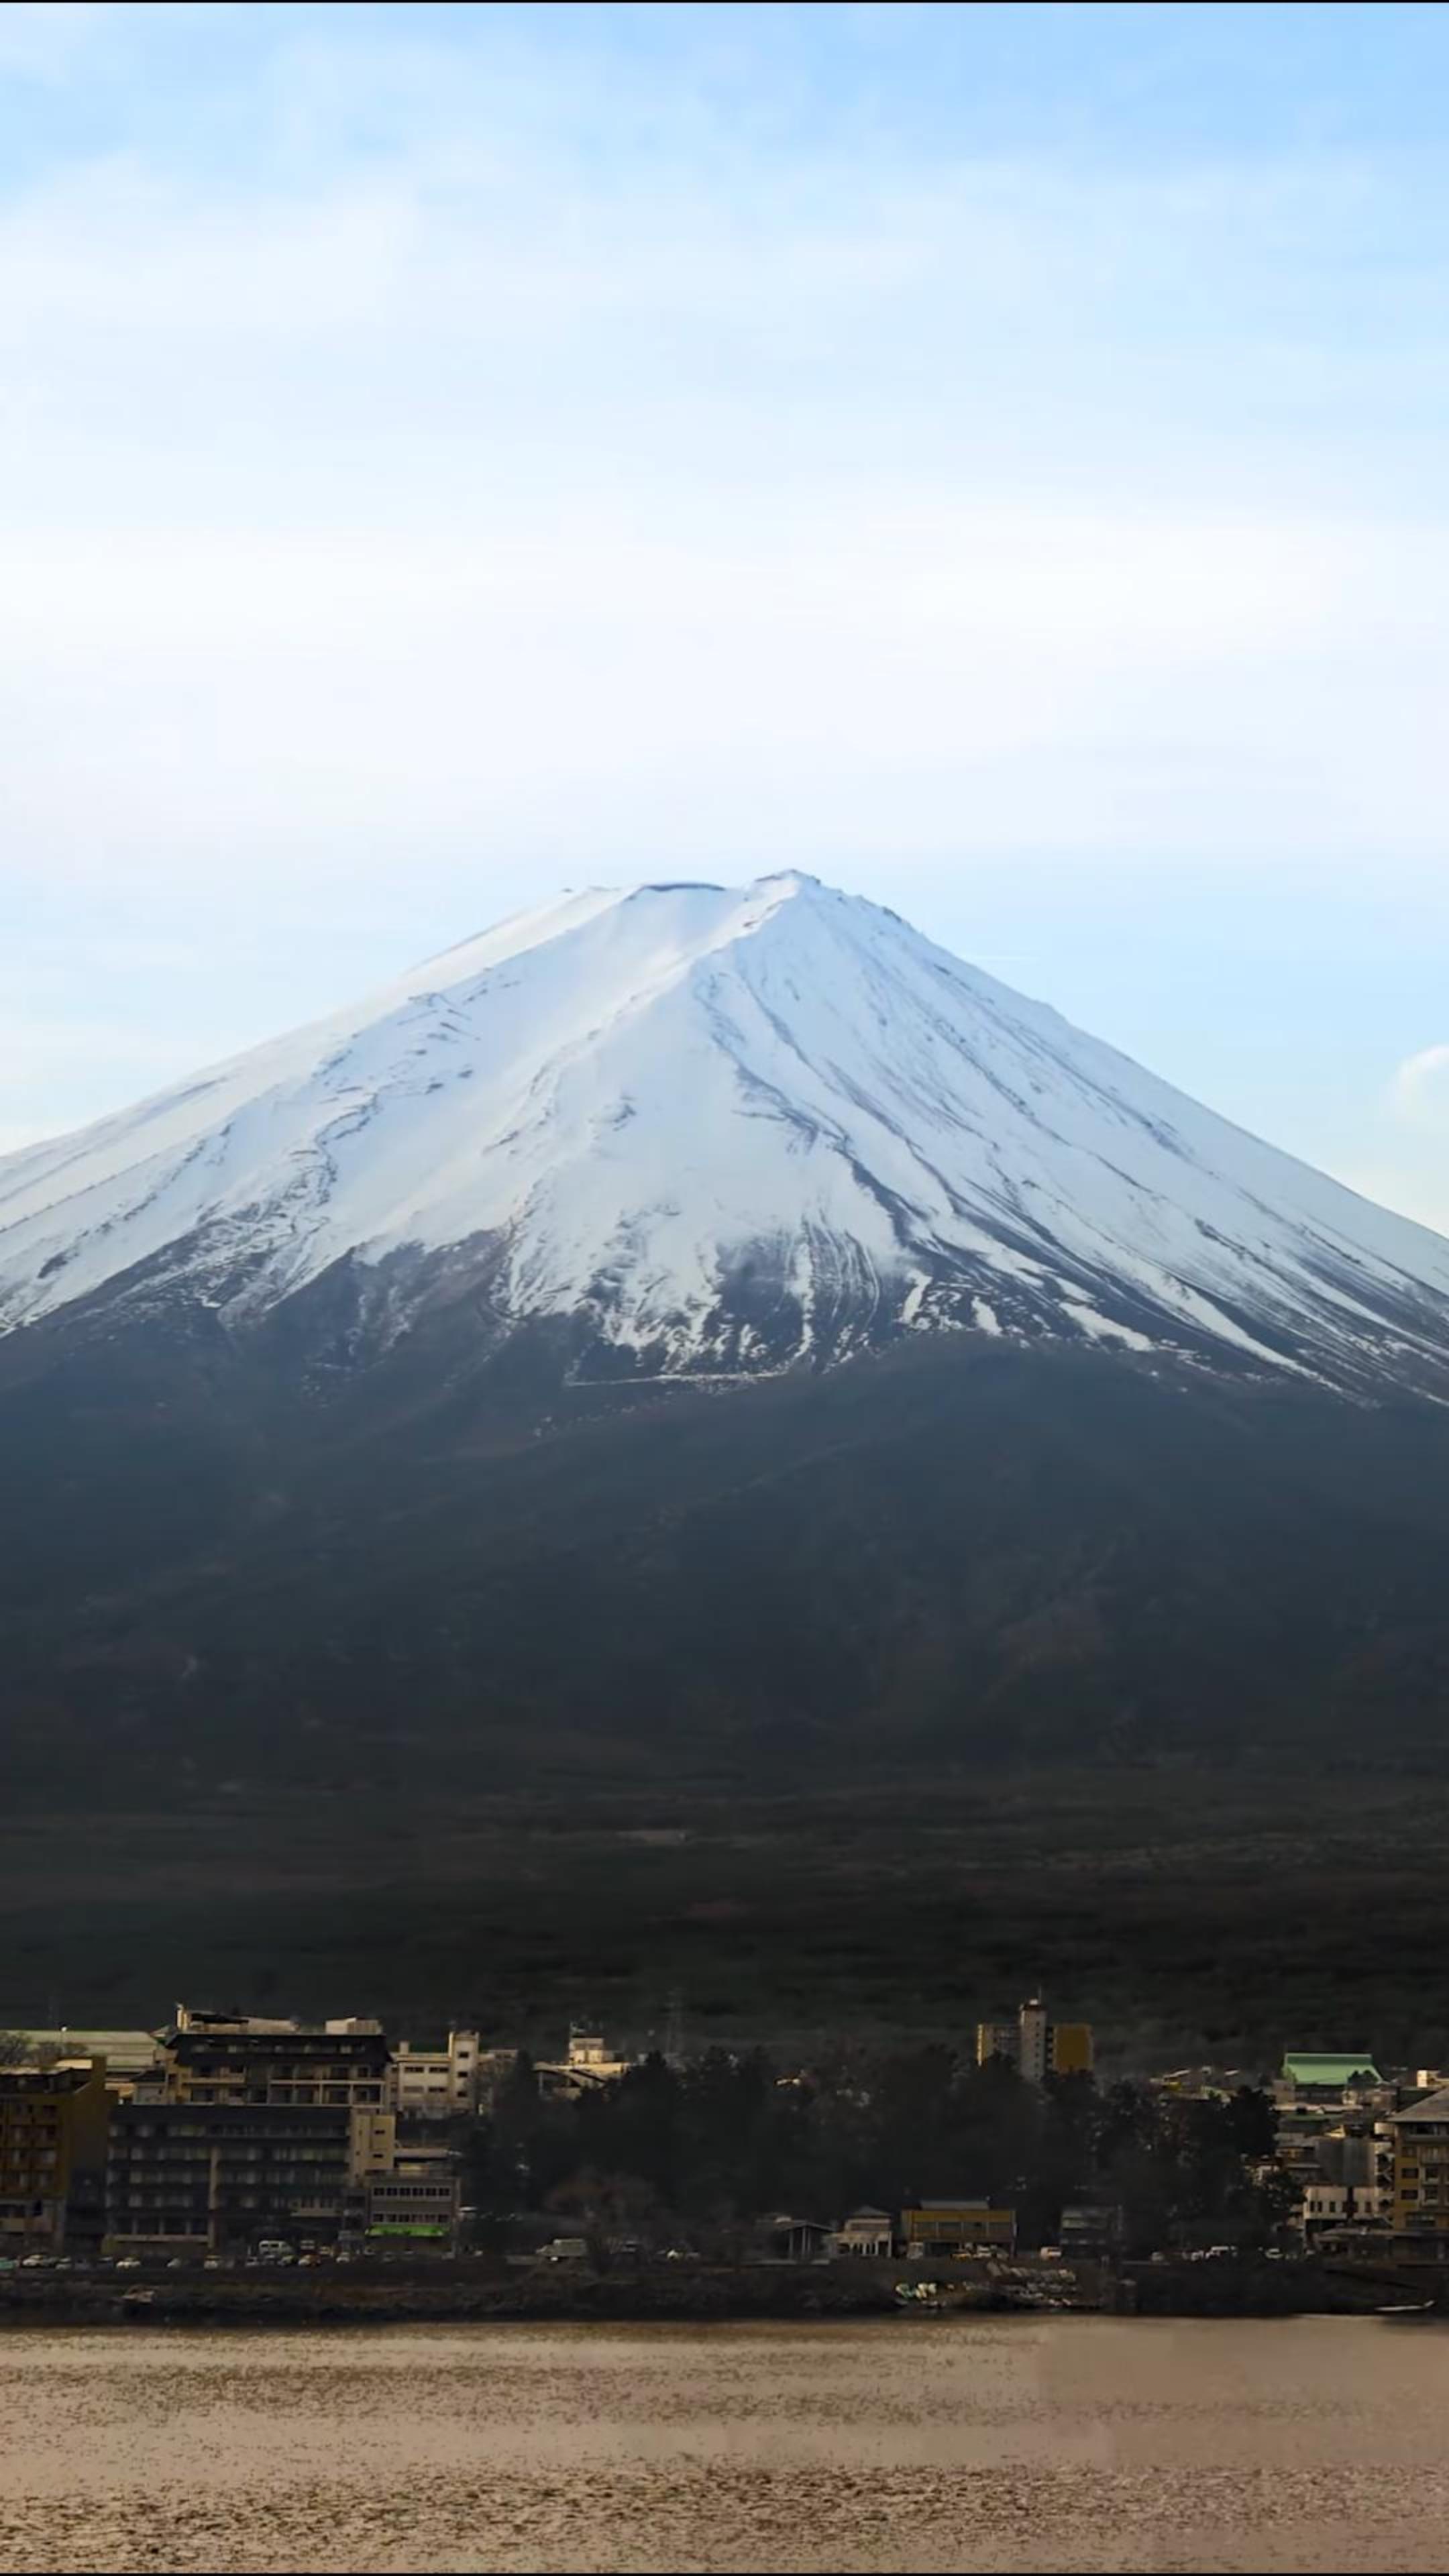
67 2075
1304 2066
123 2050
1434 2108
977 2200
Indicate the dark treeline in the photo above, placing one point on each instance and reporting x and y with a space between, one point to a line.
716 2145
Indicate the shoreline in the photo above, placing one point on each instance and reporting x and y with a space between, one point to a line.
816 2294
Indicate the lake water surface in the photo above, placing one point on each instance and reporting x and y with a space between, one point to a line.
1069 2442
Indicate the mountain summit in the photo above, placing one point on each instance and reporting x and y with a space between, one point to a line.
722 1130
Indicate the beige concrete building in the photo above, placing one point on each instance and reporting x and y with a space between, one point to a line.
1341 2204
437 2083
371 2145
417 2198
590 2062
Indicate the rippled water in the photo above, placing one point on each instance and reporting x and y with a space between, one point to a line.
1073 2442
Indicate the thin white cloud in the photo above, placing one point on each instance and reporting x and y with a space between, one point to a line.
1419 1091
492 501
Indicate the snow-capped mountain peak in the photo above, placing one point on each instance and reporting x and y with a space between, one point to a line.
719 1129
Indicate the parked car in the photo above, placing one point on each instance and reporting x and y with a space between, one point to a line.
566 2249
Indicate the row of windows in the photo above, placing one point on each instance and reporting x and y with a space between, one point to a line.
345 2056
285 2180
198 2137
137 2201
317 2090
191 2147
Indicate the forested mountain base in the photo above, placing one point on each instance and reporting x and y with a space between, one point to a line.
1186 1914
863 1700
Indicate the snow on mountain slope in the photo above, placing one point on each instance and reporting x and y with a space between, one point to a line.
724 1129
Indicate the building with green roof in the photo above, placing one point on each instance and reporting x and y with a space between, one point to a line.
1309 2073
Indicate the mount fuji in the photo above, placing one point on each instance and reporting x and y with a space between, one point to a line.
696 1438
708 1132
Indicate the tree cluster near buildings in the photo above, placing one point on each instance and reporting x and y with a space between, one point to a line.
711 2147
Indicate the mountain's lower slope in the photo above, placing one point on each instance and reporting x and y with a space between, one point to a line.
716 1131
705 1333
957 1554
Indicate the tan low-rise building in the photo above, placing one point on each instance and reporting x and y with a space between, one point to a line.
417 2199
1341 2204
590 2064
958 2227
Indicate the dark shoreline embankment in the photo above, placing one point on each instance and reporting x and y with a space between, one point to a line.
701 2295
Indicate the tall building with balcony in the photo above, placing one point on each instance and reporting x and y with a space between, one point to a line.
236 2058
1421 2168
53 2126
205 2177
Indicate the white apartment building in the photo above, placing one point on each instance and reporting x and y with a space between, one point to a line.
1342 2204
590 2063
436 2083
869 2232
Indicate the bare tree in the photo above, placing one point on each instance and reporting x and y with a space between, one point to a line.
15 2049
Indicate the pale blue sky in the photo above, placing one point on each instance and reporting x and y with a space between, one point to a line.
993 457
